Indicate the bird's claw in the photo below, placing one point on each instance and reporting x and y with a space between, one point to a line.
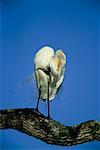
36 109
48 117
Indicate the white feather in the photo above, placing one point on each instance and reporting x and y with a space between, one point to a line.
47 60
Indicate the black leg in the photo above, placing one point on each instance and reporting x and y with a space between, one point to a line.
48 102
38 100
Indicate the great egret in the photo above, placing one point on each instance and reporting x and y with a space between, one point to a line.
49 73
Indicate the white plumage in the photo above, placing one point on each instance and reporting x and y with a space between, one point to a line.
49 68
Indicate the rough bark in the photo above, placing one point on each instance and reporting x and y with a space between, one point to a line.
33 123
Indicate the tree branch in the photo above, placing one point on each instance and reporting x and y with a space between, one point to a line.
35 124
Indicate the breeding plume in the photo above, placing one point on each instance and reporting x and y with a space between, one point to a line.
49 73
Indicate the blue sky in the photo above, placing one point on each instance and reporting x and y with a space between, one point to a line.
73 26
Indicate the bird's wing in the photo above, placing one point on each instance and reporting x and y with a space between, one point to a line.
53 67
36 75
42 82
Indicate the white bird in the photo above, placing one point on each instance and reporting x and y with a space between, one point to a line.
49 73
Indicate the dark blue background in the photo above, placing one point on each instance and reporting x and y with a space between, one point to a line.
72 25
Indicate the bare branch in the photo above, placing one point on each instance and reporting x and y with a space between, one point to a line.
35 124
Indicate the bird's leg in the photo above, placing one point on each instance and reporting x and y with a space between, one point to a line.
38 100
48 102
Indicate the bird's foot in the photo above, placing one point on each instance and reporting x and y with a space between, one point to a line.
36 109
48 117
